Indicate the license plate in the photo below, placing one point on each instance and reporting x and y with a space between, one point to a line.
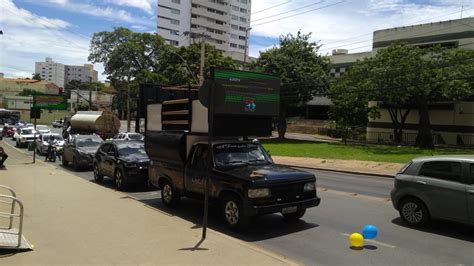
289 210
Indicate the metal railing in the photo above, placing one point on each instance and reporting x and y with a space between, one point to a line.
13 201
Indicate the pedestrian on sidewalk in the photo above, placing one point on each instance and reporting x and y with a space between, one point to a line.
3 157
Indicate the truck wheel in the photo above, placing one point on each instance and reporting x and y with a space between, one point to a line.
233 214
414 212
293 217
169 196
97 176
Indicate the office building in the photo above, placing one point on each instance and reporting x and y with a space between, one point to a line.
226 24
61 74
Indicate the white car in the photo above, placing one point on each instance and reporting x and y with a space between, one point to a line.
42 142
42 129
24 136
128 136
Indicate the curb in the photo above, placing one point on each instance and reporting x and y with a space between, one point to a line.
340 171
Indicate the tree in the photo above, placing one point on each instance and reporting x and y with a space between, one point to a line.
29 92
402 77
302 71
36 76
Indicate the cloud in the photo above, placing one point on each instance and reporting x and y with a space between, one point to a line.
13 16
28 38
145 5
350 25
107 12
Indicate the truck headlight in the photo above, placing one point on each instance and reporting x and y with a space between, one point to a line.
309 186
259 193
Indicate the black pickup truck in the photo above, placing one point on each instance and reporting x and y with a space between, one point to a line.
244 181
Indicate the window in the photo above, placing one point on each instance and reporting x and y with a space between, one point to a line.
175 11
200 158
234 17
450 171
243 10
233 45
176 1
242 38
242 47
243 19
235 8
234 27
234 36
174 21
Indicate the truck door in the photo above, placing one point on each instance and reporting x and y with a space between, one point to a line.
196 169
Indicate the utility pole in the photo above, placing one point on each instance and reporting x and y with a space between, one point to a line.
128 105
90 94
246 45
202 36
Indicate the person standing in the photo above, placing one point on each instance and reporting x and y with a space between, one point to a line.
3 157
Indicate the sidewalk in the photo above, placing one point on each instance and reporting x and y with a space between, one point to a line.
73 221
347 166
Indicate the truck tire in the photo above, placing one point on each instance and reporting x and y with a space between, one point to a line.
233 214
169 196
293 217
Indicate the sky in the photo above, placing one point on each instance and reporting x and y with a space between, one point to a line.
61 29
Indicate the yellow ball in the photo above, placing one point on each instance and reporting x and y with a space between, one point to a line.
356 240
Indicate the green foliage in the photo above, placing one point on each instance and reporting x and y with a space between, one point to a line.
302 71
401 78
29 92
36 76
377 153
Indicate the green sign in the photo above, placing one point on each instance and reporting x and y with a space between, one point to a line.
247 93
50 102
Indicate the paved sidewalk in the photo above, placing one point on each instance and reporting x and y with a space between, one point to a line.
348 166
73 221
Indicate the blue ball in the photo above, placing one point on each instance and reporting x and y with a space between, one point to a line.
370 231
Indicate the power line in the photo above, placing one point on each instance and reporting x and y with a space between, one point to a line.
286 12
301 13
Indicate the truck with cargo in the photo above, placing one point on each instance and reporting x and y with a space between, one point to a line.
103 123
244 181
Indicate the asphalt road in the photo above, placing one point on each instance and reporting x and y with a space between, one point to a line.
348 203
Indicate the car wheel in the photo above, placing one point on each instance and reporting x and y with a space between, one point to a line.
292 217
97 176
232 213
169 196
75 165
414 212
119 179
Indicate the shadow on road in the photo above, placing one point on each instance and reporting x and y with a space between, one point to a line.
261 228
443 228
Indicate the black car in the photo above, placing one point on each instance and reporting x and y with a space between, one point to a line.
125 161
80 150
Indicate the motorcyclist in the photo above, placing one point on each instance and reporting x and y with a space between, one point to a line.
51 143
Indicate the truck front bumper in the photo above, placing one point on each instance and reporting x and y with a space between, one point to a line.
253 210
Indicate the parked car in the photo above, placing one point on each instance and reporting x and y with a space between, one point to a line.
24 136
42 142
80 151
438 187
43 129
128 136
8 131
57 123
124 161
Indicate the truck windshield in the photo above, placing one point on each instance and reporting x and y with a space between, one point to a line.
240 153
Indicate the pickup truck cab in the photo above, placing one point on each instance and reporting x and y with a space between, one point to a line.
244 181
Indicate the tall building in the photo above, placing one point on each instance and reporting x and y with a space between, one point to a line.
61 74
226 23
51 71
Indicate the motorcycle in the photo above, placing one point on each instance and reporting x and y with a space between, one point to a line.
54 152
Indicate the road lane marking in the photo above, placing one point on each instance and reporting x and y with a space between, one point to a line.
373 242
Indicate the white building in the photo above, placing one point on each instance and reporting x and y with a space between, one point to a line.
225 22
51 71
61 74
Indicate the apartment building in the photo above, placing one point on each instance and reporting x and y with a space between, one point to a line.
226 23
61 74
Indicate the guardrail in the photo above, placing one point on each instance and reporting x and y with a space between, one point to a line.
13 201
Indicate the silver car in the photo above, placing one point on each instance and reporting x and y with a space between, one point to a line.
438 187
42 142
